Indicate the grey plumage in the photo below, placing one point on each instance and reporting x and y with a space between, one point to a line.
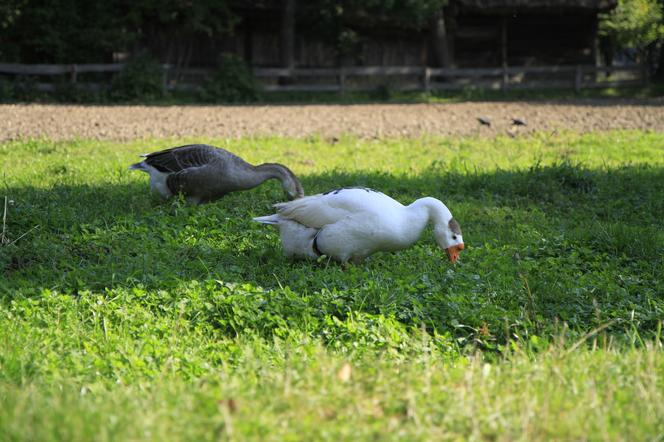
518 122
484 121
204 173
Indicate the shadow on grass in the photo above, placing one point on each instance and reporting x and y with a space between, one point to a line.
582 246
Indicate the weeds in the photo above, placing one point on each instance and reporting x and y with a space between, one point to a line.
3 237
232 82
141 79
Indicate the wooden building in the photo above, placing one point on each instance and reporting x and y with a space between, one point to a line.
524 32
466 33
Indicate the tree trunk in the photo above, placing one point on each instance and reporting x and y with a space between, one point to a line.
286 49
248 42
503 42
659 73
440 42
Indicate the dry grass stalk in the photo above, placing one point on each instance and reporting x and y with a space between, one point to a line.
3 236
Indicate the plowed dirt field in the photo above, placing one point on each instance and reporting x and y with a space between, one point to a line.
65 122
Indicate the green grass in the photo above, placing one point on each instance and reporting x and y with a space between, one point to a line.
126 318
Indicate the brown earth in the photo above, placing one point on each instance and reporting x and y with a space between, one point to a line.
63 122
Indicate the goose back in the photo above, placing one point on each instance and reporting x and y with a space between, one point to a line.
330 207
177 159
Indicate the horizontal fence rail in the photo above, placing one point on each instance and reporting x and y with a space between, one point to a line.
343 79
55 69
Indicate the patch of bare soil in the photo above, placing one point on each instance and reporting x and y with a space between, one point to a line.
64 122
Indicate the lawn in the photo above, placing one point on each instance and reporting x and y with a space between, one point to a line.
126 318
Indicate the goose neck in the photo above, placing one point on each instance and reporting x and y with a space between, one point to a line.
430 210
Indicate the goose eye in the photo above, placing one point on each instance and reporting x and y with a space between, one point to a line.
454 237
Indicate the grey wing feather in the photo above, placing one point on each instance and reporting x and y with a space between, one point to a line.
178 159
196 182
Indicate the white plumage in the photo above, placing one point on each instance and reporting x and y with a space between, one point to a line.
351 224
158 179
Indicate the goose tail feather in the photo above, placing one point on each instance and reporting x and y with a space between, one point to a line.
139 166
269 219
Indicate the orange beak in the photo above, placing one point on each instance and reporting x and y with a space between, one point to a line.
453 252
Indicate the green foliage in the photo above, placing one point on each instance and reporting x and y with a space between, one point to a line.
405 14
382 92
76 31
344 24
634 23
207 17
6 90
61 31
232 82
10 10
142 78
24 88
67 92
122 316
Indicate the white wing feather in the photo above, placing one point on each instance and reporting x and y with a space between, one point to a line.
328 208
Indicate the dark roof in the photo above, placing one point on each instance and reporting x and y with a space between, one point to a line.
535 5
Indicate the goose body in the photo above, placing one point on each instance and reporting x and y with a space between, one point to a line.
351 224
204 173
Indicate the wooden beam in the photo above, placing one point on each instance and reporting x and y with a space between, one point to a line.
503 52
287 47
57 69
440 41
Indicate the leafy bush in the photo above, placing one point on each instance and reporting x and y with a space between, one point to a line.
141 79
66 92
232 82
6 90
382 92
25 89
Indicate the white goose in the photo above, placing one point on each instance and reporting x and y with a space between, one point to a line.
205 173
351 224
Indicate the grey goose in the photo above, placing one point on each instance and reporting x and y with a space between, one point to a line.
204 173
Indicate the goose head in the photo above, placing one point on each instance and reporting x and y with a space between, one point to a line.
289 181
446 229
448 236
292 187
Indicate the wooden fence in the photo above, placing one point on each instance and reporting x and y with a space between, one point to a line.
432 79
402 78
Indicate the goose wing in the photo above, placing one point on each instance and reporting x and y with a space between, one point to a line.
330 207
198 181
178 159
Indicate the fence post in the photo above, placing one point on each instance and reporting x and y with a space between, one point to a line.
427 79
72 73
342 80
505 80
577 79
164 77
645 78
